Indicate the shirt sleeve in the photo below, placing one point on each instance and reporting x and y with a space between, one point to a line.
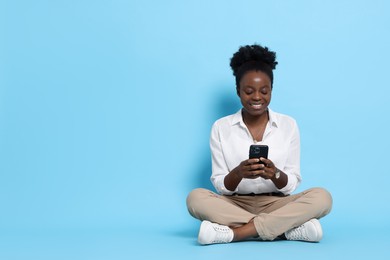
218 163
292 166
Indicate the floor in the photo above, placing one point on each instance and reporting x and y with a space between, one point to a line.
339 242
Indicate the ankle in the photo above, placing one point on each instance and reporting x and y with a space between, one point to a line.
247 231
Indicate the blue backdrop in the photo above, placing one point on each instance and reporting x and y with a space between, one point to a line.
106 108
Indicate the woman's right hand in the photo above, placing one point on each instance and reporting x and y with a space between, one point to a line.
249 169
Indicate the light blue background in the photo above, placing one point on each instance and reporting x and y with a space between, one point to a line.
106 108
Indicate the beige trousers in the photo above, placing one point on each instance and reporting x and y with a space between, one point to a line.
272 215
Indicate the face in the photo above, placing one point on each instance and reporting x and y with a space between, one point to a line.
255 92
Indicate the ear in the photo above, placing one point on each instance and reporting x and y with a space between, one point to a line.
238 91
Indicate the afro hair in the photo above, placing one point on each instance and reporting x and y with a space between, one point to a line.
253 57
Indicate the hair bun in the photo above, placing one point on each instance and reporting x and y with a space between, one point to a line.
253 53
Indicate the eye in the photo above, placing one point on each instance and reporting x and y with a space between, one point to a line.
248 91
264 91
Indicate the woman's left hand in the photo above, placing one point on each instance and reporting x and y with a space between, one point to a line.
268 170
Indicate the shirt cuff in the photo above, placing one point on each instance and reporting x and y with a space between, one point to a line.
220 187
291 186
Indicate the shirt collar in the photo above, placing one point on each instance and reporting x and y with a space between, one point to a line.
237 118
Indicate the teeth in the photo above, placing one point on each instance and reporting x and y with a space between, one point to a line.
256 105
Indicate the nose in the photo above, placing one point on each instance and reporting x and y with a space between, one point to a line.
256 95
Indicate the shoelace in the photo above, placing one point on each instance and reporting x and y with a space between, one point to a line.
222 234
298 233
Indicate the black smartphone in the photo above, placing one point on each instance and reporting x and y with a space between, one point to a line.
257 151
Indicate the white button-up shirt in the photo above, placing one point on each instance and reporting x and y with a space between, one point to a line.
230 140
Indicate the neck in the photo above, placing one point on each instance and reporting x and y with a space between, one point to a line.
255 120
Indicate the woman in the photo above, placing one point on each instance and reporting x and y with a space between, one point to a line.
255 198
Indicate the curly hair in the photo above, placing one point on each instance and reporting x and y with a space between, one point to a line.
253 57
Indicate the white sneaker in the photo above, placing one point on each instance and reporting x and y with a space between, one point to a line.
212 233
310 231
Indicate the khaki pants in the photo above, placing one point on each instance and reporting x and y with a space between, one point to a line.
272 215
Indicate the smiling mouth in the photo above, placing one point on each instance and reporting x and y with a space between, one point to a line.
256 106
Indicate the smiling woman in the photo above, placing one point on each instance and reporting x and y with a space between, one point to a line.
255 94
254 197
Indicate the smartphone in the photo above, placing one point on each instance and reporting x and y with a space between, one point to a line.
257 151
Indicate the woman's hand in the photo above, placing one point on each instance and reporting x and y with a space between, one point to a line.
268 169
252 169
249 169
269 172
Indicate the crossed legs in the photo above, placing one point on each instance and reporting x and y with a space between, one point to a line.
264 216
